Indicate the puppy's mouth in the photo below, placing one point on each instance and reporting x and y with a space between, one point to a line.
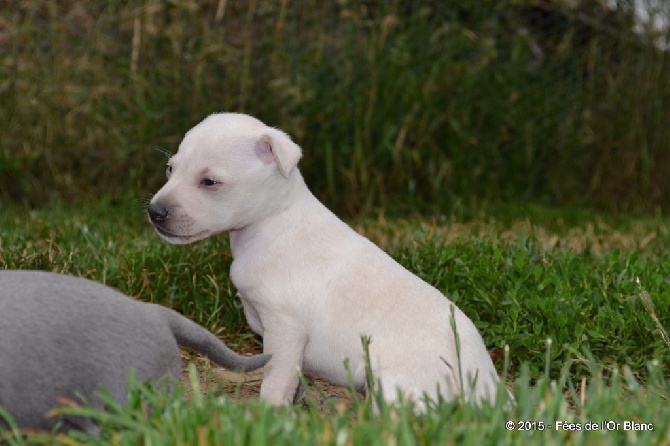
180 238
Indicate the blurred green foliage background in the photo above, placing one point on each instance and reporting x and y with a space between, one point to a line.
406 104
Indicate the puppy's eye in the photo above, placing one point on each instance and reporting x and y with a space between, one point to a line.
208 182
168 170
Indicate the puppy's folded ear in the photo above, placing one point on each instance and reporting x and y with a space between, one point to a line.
276 146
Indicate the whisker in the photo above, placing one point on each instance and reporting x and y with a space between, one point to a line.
144 201
164 151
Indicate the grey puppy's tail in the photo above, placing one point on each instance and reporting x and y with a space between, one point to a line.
191 335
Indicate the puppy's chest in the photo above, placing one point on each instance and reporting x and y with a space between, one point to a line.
264 279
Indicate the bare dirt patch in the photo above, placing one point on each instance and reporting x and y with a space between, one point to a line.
241 386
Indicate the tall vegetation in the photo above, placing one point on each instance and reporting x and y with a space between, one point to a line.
422 104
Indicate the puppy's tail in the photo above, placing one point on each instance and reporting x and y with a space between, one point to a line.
191 335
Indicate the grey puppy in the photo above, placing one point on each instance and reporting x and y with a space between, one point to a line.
64 336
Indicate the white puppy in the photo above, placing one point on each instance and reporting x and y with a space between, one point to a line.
309 284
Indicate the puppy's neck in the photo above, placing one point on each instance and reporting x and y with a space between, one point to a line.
295 203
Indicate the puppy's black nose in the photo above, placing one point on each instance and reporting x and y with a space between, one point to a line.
158 213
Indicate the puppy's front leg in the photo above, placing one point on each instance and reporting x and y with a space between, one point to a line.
251 314
280 375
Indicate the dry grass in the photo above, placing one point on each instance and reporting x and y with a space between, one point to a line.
596 236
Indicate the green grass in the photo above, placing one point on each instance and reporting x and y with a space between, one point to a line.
578 278
543 414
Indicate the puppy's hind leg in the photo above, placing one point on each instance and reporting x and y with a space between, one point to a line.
420 387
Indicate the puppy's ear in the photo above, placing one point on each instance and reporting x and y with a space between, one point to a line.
276 146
